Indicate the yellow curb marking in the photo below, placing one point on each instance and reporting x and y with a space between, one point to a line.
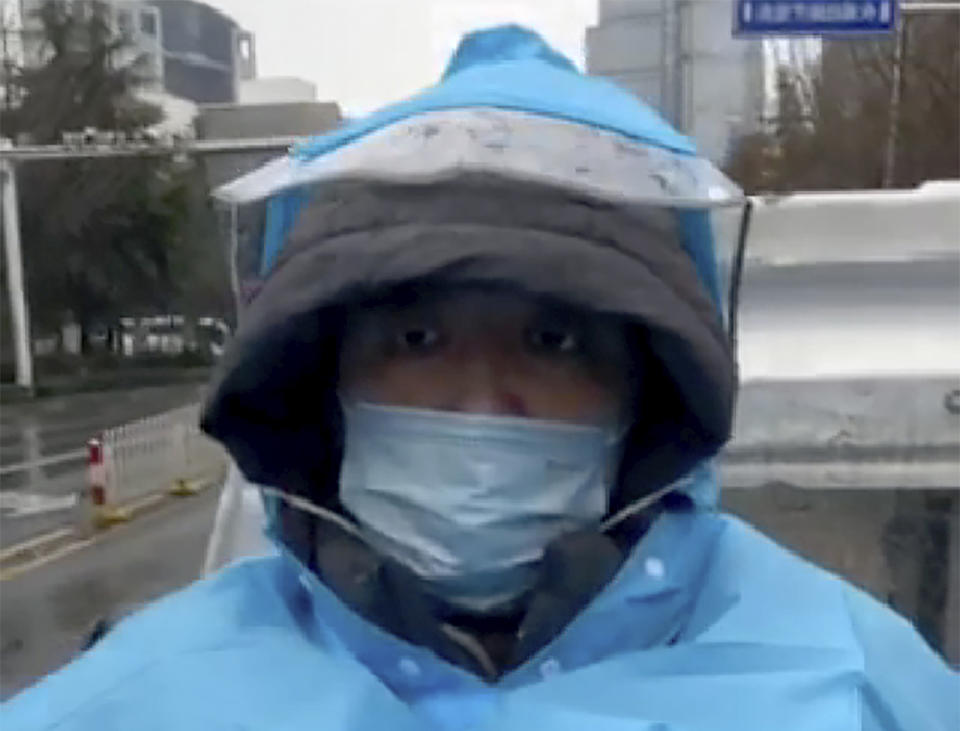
130 510
14 571
32 543
185 488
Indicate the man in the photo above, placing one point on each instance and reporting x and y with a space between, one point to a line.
484 381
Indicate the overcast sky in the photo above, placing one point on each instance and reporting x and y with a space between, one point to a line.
366 53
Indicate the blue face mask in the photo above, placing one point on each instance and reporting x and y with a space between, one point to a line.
469 502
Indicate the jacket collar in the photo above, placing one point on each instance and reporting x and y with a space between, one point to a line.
386 625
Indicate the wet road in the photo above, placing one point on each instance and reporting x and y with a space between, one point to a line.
46 612
61 426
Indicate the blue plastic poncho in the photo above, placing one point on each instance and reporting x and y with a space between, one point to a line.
707 624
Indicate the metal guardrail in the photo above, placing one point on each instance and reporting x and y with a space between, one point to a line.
882 433
155 454
127 467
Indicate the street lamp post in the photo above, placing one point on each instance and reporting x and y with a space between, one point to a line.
19 315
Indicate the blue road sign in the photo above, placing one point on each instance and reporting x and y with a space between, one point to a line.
814 17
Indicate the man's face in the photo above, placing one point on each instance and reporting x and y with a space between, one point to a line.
488 353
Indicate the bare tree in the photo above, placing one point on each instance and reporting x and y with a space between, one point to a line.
838 117
103 238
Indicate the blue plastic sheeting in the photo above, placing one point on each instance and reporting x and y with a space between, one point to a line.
709 626
513 68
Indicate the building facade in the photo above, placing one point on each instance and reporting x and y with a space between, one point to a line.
138 21
276 90
206 55
183 48
242 121
680 56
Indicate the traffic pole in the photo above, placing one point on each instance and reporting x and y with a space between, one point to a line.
19 314
92 498
103 512
96 474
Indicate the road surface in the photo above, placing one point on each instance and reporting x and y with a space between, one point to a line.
46 612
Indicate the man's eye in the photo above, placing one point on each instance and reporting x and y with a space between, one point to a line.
417 339
553 341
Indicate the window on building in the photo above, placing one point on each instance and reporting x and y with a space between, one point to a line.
245 49
148 24
193 21
124 24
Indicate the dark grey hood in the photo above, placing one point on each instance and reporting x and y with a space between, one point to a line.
273 403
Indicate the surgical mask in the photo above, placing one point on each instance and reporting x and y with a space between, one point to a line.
469 502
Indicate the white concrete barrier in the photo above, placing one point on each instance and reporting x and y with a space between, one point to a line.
869 433
854 225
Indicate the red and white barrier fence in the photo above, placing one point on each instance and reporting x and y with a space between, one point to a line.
96 473
165 453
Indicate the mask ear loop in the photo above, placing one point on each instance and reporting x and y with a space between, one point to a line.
736 276
636 507
299 503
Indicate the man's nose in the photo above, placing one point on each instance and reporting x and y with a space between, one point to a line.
484 386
